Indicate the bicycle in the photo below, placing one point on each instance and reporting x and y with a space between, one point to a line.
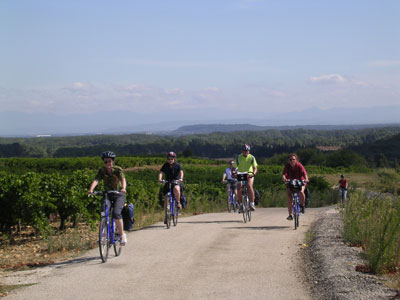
172 209
342 195
295 186
107 229
242 177
231 199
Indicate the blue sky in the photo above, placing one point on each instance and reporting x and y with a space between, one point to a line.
233 57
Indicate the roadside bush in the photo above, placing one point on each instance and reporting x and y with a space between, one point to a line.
373 221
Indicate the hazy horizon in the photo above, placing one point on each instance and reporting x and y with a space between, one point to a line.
71 66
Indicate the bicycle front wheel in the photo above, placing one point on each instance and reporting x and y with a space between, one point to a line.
168 214
174 213
117 241
104 242
248 210
244 208
296 215
229 203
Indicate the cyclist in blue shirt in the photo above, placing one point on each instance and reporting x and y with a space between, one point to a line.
227 176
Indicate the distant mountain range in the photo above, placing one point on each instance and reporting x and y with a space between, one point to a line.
184 122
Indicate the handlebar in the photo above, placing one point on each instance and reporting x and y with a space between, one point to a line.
172 181
101 193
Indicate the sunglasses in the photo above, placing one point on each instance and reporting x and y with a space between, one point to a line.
107 161
292 159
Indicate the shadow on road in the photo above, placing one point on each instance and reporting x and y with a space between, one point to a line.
210 222
77 261
261 228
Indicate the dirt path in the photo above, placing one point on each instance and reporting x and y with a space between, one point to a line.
211 256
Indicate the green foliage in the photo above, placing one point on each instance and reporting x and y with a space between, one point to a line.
373 221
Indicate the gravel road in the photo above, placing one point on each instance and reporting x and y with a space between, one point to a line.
216 256
210 256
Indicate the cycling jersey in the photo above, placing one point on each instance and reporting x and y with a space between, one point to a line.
298 172
228 172
245 164
111 181
343 183
171 173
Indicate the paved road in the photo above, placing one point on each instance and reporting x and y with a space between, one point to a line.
211 256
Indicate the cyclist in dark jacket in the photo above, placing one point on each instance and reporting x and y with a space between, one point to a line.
173 171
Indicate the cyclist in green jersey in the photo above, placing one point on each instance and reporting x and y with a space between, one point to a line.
246 162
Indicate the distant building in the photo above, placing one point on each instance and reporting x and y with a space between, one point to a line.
328 148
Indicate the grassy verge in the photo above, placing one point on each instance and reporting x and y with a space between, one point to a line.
372 221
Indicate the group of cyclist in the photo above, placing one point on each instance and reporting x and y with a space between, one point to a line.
114 179
246 162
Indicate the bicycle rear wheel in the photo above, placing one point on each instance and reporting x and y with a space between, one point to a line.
174 213
103 239
117 241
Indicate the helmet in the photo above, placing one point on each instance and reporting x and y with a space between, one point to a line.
108 154
246 147
342 176
171 154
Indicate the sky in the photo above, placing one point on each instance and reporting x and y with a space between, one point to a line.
173 59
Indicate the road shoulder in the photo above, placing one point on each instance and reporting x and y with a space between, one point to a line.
331 265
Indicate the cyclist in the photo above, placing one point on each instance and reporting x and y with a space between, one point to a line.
173 171
228 177
113 178
294 170
246 162
343 184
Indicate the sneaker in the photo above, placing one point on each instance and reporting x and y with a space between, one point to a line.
124 240
240 209
252 206
289 218
179 205
302 209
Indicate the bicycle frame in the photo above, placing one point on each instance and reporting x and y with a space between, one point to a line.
296 208
242 177
172 205
107 220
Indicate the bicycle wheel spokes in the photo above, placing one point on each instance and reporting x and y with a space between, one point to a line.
229 203
174 213
168 214
244 208
103 239
116 240
248 209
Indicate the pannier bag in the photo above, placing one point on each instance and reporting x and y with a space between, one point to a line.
183 200
128 216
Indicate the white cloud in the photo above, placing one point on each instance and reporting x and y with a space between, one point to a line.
331 78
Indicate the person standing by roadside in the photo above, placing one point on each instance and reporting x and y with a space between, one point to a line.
343 184
294 170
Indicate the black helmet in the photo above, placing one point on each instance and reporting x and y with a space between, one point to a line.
246 147
108 154
342 176
171 154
